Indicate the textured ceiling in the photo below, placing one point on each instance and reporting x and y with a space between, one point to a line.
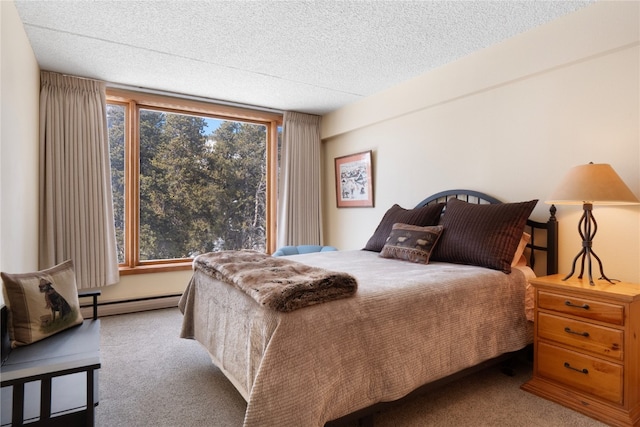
302 56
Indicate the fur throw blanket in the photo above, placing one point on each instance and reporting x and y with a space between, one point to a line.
274 282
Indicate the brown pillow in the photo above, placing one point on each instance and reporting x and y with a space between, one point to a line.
411 242
41 304
482 235
423 216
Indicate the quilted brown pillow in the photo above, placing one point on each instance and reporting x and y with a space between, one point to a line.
411 242
482 235
426 215
41 303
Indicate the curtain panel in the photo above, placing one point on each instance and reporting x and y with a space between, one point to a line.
299 192
76 210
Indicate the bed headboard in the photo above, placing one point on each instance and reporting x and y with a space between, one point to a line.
544 235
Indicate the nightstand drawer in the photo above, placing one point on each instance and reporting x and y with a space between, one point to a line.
577 306
584 336
588 374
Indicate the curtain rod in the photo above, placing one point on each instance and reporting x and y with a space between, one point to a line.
192 97
177 95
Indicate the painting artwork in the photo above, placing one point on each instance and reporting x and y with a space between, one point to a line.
354 180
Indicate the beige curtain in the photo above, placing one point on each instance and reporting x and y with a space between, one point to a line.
299 197
76 211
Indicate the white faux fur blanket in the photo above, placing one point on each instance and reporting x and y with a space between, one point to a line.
274 282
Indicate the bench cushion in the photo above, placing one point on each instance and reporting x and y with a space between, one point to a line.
66 360
74 347
41 303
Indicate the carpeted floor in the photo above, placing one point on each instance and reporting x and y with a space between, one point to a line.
151 377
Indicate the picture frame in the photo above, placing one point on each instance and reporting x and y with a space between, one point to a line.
354 180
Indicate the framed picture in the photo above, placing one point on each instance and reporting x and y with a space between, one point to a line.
354 180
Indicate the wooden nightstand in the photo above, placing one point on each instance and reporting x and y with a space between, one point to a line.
587 347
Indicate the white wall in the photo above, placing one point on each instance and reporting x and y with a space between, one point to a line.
19 93
510 120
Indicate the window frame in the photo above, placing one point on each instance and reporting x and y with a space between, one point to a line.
135 101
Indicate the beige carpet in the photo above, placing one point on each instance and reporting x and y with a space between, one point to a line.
150 377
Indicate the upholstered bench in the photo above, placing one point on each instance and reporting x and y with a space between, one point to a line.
52 382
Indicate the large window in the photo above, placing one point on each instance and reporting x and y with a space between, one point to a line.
189 178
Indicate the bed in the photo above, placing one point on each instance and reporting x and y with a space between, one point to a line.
410 323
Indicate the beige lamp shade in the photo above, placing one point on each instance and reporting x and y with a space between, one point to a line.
592 183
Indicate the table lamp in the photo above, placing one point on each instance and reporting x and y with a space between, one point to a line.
591 184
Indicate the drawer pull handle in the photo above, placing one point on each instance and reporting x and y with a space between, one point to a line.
582 371
582 334
570 304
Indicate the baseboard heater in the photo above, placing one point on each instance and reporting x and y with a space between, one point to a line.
109 308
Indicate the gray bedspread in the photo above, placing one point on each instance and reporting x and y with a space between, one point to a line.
407 325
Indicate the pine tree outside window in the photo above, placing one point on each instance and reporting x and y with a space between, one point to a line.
189 178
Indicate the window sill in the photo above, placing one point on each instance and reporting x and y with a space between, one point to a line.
156 268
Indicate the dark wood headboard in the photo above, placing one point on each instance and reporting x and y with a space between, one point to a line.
544 235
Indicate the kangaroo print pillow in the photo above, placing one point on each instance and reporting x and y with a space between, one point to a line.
41 303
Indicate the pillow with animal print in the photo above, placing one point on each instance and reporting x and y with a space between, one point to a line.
411 242
41 304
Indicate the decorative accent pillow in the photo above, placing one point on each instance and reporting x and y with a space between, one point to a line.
482 235
411 242
41 304
423 216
